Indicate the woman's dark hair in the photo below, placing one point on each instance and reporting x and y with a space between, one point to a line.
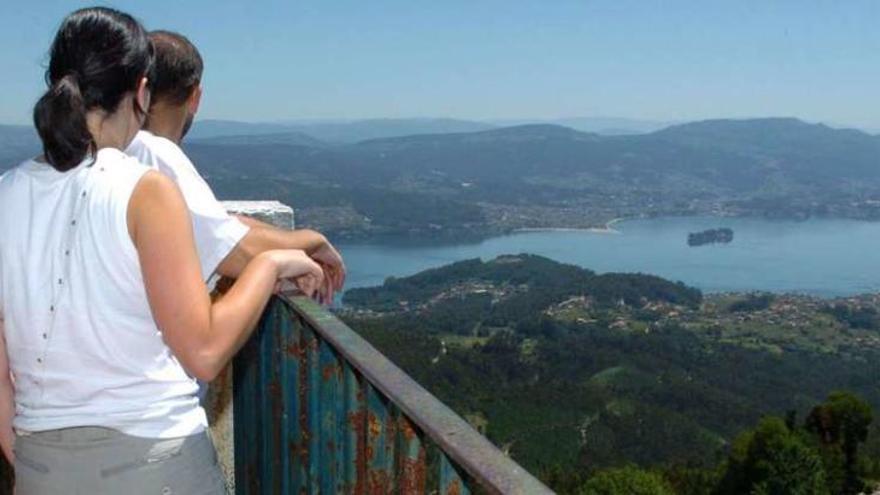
98 56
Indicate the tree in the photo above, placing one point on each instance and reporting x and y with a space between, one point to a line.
692 480
562 478
773 460
628 480
842 422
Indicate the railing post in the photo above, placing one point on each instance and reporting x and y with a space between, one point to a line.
218 401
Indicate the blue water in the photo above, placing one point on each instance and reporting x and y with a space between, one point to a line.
819 257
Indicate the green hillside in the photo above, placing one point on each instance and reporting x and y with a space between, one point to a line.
572 371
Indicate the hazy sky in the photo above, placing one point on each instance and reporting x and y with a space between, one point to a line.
666 60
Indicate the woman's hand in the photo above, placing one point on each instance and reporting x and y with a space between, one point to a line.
297 266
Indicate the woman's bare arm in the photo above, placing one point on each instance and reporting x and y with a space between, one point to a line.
7 401
203 336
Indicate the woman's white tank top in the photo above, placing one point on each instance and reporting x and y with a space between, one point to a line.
83 346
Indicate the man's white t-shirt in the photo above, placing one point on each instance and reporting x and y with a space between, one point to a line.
216 231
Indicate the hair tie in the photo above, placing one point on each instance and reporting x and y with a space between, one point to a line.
71 78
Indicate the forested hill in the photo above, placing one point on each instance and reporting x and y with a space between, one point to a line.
338 132
730 155
572 371
529 283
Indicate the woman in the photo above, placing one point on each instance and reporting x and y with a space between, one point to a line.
106 320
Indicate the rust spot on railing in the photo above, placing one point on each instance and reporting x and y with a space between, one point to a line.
374 429
303 397
414 475
379 483
357 421
407 431
294 350
454 488
390 432
329 371
413 459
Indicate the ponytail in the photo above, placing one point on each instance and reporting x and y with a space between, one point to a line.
60 119
99 56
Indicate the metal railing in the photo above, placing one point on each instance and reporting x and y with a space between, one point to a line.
319 410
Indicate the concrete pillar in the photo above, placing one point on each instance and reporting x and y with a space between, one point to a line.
218 401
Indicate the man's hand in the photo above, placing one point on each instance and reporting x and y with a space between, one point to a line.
334 271
263 237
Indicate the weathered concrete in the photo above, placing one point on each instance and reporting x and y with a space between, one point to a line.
272 212
218 401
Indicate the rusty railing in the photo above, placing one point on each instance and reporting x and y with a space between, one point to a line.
319 410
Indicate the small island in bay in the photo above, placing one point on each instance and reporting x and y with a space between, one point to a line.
711 236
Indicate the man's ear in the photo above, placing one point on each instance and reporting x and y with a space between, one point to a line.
143 95
195 99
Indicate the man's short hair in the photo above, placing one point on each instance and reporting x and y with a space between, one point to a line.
177 70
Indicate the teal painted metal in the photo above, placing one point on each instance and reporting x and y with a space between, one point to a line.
353 426
270 400
380 443
412 467
313 419
330 399
451 481
247 390
319 410
293 403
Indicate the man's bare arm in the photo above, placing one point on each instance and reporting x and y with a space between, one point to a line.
7 401
264 237
306 239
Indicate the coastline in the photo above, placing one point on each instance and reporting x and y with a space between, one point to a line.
607 229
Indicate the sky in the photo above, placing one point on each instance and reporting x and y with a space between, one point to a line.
271 60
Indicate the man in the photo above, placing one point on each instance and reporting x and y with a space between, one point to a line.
225 243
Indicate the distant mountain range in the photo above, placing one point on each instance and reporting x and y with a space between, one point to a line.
737 155
17 143
280 137
609 126
544 175
430 177
353 131
337 132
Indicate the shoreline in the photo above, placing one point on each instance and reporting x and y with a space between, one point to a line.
476 236
607 229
